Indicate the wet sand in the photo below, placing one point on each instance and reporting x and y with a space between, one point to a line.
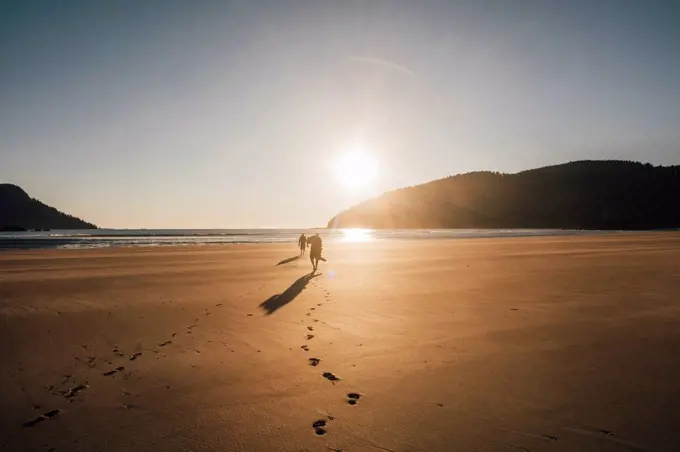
524 344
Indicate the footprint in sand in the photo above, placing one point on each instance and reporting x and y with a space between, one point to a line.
114 371
41 418
304 347
310 328
319 427
353 397
135 355
330 376
163 344
310 336
75 391
91 361
314 362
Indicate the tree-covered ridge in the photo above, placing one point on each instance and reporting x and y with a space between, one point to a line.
575 195
18 210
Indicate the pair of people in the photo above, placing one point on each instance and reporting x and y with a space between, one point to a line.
316 246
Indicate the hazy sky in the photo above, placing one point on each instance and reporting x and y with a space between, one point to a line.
229 114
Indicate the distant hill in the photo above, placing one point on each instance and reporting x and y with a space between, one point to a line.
20 211
576 195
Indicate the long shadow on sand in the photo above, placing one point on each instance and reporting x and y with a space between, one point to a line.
290 259
278 301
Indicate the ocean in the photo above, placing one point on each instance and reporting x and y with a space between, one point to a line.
104 238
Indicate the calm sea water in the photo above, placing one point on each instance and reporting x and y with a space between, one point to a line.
102 238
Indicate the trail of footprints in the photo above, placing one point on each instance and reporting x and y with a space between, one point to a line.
70 393
320 426
71 389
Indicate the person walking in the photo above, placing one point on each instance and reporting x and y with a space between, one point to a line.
316 247
302 243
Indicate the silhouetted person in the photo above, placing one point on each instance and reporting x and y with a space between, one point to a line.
316 246
302 242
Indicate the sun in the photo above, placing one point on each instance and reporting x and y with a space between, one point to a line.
355 169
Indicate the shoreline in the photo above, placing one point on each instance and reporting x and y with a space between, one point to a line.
132 240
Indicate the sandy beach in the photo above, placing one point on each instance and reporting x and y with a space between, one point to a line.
494 345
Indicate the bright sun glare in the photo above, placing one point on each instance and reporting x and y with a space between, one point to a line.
355 169
357 235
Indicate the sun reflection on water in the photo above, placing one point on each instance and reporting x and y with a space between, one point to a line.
354 235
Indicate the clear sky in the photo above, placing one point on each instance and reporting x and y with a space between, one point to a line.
230 114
